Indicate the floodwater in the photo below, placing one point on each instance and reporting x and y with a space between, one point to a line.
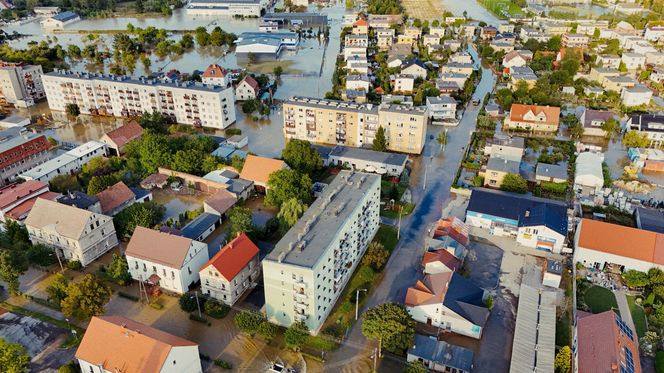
176 203
581 10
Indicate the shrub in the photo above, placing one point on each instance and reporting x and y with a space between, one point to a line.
216 309
70 367
233 131
223 364
188 302
248 321
75 265
267 330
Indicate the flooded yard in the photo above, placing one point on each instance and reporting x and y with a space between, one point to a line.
177 203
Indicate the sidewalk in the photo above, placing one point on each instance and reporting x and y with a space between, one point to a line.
625 313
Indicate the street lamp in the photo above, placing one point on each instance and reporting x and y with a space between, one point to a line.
357 301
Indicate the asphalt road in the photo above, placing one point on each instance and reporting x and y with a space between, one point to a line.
431 196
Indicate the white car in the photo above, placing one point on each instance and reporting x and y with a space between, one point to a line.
280 368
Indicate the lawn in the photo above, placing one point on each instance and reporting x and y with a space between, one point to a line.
600 299
502 8
638 316
394 213
659 362
387 235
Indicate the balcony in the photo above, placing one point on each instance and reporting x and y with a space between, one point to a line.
301 317
300 307
299 297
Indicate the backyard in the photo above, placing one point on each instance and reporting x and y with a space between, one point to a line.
638 316
596 299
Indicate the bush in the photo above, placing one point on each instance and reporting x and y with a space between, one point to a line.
267 330
188 302
659 362
70 367
75 265
248 321
223 364
216 309
41 255
128 296
233 131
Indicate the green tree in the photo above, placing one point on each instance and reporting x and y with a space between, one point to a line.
574 126
441 139
285 184
380 140
290 212
118 269
154 121
267 330
391 325
72 110
237 163
188 161
376 256
240 221
296 335
86 298
563 361
210 163
12 264
301 156
57 290
16 233
216 309
634 139
248 321
13 357
514 183
70 367
64 184
277 71
147 214
415 367
612 128
635 279
41 255
98 184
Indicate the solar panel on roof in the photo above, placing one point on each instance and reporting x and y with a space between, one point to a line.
626 330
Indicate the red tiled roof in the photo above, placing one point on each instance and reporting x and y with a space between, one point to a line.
552 113
123 135
430 290
21 211
361 22
453 227
15 192
252 82
214 71
114 196
233 257
445 257
23 151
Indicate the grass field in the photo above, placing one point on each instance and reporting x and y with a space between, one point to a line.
423 9
600 299
502 8
638 316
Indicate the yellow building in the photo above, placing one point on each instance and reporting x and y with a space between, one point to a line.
343 123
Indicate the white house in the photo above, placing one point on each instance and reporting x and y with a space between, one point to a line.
358 82
650 125
654 33
517 58
232 271
588 175
67 163
60 20
402 83
113 344
633 61
165 260
247 89
636 96
450 302
414 68
443 107
608 61
439 356
216 75
553 273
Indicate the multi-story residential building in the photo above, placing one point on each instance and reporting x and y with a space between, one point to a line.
341 123
443 107
19 153
650 125
402 83
575 40
246 8
360 27
74 234
20 84
637 95
608 61
533 117
165 260
182 102
216 75
633 61
232 271
67 163
114 344
308 269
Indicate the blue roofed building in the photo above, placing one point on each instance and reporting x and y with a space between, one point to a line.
535 222
440 356
264 45
201 227
60 20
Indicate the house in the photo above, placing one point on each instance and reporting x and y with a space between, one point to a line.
535 222
496 170
593 120
618 83
367 160
115 198
600 245
67 163
575 40
155 180
442 107
406 39
517 58
247 89
216 75
533 117
649 219
461 57
599 74
412 31
360 27
588 176
449 234
117 139
592 91
201 226
264 46
227 8
258 170
604 343
633 61
60 20
657 75
358 82
220 202
522 74
356 41
118 344
654 33
488 32
402 83
550 173
655 58
238 141
353 52
239 187
636 96
650 125
462 68
506 147
430 40
553 273
440 261
450 302
232 271
415 68
459 79
73 233
384 42
14 195
608 61
453 45
439 356
164 260
80 200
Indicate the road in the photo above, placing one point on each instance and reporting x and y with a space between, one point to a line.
403 266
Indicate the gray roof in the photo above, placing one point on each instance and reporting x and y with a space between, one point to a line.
551 170
369 155
140 81
77 199
511 141
504 165
363 78
323 220
323 150
593 115
199 225
441 352
554 266
441 100
238 186
65 16
534 343
649 219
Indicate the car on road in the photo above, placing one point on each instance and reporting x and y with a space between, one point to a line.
476 101
277 367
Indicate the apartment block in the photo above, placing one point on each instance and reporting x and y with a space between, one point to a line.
68 163
19 153
196 104
308 269
20 84
344 123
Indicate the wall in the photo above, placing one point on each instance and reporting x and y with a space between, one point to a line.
215 285
187 360
445 318
199 183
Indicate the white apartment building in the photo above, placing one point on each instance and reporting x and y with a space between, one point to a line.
74 234
120 96
20 85
67 163
232 271
443 107
245 8
308 269
169 261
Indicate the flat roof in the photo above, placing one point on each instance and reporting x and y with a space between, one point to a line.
199 225
369 155
304 244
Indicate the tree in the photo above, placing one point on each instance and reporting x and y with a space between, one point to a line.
277 71
118 269
248 321
41 255
301 156
147 214
188 302
209 163
240 221
290 212
376 256
188 161
441 139
514 183
16 233
249 106
655 276
380 140
251 57
296 335
612 128
86 298
154 121
12 265
64 183
574 126
415 367
216 309
635 279
70 367
72 110
563 360
57 290
98 184
267 330
634 139
391 325
285 184
13 357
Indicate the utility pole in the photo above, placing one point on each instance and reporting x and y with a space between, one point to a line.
57 254
357 301
198 305
375 359
398 224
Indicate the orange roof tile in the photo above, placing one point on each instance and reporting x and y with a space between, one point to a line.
119 344
123 135
22 210
653 166
361 22
214 71
114 196
158 247
620 240
14 192
552 113
233 257
258 169
443 256
430 290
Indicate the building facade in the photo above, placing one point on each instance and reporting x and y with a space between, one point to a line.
19 153
20 84
340 123
245 8
195 104
308 269
67 163
533 118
